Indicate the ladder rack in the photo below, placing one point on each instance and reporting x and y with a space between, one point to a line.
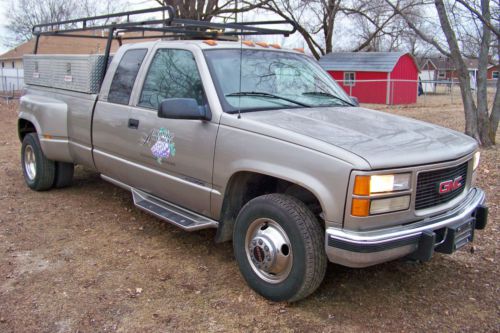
118 25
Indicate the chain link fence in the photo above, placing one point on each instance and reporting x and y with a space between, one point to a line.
400 92
11 82
389 92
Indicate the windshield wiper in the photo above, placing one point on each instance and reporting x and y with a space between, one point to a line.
321 93
265 94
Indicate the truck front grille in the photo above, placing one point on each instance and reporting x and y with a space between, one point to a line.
428 186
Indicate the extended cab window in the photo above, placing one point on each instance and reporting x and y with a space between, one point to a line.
172 74
123 81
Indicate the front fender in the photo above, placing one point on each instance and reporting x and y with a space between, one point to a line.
324 176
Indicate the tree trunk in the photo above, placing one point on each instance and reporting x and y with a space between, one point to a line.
495 111
482 80
317 53
471 119
330 13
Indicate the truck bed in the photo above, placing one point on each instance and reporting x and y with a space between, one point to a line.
65 117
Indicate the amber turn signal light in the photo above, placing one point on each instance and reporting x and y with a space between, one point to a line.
360 207
210 42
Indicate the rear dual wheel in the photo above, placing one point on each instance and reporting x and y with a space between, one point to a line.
40 173
279 246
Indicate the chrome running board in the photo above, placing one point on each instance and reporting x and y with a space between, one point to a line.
178 216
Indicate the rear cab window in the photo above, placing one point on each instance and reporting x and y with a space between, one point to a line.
125 75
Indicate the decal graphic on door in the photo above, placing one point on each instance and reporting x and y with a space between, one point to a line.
161 143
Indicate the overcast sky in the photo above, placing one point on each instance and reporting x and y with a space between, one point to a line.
3 30
290 42
134 4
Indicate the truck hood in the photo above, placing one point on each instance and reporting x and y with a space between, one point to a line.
383 140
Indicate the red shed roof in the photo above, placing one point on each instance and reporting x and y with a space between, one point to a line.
363 61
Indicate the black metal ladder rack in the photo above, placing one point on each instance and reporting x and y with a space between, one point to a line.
175 27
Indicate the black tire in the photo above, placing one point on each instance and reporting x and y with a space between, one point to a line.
306 237
64 174
43 176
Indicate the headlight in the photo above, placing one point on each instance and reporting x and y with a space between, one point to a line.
379 206
366 185
475 162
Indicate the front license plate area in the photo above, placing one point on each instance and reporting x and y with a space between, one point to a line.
456 236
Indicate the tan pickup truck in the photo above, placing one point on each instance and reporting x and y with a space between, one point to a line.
259 143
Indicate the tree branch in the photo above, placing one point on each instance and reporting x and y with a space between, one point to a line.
485 21
420 33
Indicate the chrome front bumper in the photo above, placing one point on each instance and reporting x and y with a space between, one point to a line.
366 248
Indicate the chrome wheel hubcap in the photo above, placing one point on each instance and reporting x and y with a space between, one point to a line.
268 250
30 162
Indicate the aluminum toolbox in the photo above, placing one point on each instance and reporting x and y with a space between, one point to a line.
80 73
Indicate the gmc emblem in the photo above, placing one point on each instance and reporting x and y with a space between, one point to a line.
450 185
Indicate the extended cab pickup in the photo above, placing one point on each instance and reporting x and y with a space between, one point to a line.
261 144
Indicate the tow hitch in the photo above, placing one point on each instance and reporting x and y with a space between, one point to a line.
450 239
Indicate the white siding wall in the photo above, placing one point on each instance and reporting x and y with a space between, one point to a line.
11 79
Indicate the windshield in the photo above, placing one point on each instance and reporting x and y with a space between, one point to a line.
271 80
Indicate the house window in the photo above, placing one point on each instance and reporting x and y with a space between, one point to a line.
3 64
349 78
494 75
13 64
441 74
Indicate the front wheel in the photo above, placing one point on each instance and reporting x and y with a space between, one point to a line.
279 246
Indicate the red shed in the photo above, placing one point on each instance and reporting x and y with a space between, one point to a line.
375 77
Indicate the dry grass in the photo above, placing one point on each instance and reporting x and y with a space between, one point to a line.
83 259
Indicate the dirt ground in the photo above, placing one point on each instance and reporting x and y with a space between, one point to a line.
83 259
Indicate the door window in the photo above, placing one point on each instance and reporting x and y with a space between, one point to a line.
172 74
124 78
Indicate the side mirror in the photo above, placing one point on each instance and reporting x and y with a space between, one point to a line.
182 108
355 100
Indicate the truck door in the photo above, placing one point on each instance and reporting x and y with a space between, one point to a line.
174 157
111 134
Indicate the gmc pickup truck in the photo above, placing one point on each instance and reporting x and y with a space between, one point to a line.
263 145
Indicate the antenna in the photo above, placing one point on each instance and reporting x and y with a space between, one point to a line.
241 62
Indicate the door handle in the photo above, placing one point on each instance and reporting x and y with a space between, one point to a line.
133 123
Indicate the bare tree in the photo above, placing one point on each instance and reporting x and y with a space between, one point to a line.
469 5
495 113
377 24
24 14
482 80
206 10
315 19
479 123
21 20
